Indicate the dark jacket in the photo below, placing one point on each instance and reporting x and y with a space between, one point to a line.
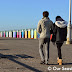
60 30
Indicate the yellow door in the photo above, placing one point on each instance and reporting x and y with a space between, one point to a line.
29 34
35 34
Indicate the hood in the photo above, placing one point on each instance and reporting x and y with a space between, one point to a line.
61 24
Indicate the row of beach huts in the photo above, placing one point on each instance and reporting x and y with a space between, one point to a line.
24 33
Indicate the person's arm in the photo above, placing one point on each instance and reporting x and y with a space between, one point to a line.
52 27
66 31
39 29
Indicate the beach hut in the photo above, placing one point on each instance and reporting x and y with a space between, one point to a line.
19 33
32 34
26 33
10 33
14 34
22 33
1 33
29 33
6 33
38 35
35 34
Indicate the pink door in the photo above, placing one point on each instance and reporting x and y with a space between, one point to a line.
19 34
0 34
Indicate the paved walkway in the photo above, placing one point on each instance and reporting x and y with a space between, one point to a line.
22 55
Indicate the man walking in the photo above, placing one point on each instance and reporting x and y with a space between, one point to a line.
43 28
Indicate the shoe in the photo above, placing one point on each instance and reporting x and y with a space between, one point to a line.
60 61
46 63
42 62
57 59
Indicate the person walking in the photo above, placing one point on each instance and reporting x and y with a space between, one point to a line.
60 31
43 28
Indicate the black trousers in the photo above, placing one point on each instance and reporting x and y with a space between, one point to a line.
59 45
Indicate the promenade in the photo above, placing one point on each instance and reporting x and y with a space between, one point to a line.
22 55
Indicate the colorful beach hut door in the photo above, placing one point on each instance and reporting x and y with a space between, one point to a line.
14 34
32 33
10 34
6 34
26 33
0 34
38 35
17 34
22 33
35 34
29 33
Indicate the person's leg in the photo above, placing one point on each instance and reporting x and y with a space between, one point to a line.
41 49
47 41
59 50
59 61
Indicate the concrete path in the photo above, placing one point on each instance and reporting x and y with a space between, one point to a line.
22 55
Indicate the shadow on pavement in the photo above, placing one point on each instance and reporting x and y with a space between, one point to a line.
26 66
7 56
11 58
62 64
4 49
24 56
67 63
52 64
15 56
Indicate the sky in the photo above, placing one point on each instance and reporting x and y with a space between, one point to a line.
25 14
